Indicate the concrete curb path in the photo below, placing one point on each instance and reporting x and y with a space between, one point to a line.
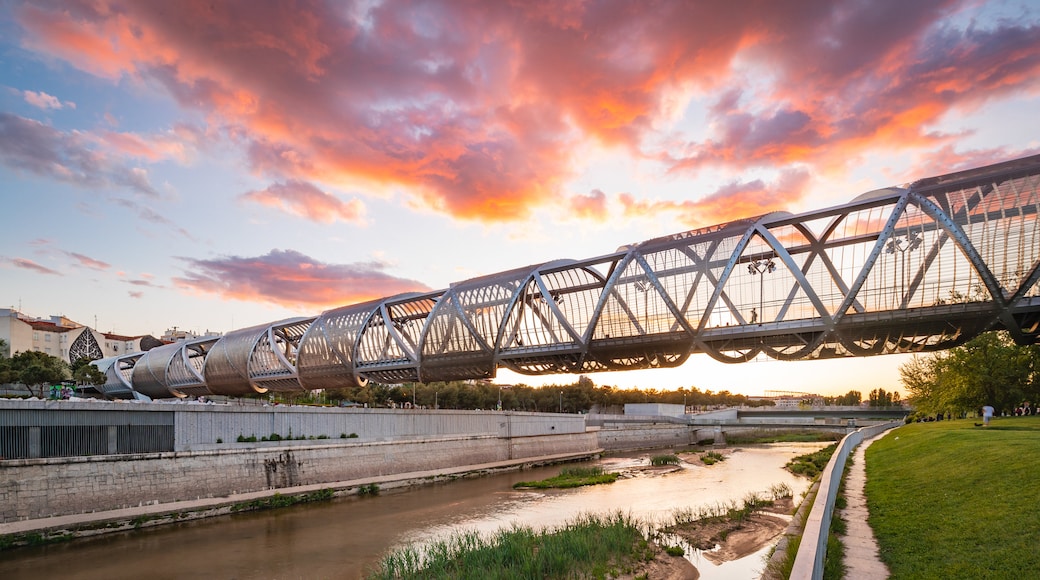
861 549
215 503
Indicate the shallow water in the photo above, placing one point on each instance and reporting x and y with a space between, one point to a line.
342 538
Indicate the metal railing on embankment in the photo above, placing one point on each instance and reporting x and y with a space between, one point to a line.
808 563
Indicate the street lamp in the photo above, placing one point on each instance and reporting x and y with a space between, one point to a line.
760 268
643 285
561 401
898 246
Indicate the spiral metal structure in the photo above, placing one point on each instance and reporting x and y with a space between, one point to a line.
897 270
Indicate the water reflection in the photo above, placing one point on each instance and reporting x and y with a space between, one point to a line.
342 538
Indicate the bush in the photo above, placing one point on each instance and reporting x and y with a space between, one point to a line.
670 459
712 457
370 489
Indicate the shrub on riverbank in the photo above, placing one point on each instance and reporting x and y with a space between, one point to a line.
811 464
571 477
712 457
951 500
668 459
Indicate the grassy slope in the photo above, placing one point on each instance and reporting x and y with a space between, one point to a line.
951 500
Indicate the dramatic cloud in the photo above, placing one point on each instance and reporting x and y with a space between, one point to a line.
44 101
736 200
26 264
478 109
306 200
31 146
290 278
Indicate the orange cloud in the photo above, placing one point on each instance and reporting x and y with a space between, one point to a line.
737 200
306 200
592 206
289 278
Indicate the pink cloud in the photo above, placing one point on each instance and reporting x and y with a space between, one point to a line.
27 264
290 278
947 160
592 206
88 262
307 201
42 100
134 294
30 146
736 200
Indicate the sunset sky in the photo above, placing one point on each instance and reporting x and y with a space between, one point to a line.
216 165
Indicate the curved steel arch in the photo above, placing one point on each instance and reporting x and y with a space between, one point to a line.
910 269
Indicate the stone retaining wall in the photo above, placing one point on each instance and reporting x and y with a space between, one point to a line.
36 488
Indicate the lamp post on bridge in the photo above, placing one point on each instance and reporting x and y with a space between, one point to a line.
898 246
760 268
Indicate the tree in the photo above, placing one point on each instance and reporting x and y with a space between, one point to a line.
85 373
36 369
990 369
883 398
6 374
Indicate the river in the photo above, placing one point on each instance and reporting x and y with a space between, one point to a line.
343 538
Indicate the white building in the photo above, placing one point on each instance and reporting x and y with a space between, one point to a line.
63 338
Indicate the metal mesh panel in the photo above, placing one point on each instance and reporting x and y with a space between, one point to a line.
227 363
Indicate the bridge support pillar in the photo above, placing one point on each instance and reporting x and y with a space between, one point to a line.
720 436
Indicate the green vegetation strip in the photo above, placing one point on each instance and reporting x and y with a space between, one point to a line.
789 437
279 501
951 500
811 464
588 547
571 477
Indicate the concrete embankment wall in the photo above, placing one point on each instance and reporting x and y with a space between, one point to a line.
388 442
35 488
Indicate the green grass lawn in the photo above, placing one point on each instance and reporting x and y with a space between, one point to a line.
951 500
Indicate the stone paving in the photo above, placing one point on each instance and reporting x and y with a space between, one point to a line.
861 549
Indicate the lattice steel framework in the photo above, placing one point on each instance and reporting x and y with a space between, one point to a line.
896 270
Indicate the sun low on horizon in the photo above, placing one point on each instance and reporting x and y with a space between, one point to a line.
221 165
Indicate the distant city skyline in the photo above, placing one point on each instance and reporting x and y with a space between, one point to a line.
218 166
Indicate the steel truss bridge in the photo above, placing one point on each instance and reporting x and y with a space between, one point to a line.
897 270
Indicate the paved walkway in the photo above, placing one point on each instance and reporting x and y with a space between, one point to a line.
861 549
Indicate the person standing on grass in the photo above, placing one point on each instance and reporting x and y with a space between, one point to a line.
987 414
